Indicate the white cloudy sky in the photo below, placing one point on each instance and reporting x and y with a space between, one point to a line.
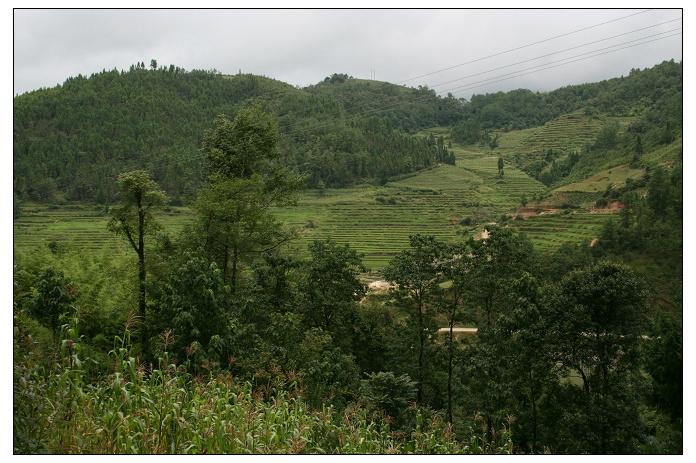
303 46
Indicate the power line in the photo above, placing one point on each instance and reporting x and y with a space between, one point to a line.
569 62
367 112
548 39
482 83
291 126
524 46
559 51
575 56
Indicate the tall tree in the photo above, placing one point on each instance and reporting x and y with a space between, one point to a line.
415 272
456 268
595 329
332 288
521 336
495 262
133 218
245 180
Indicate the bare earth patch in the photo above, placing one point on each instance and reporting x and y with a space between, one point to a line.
612 208
482 235
380 286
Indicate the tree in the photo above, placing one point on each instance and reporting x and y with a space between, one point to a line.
195 304
521 335
388 392
663 360
595 327
332 288
456 267
660 192
329 374
415 272
503 368
133 218
523 200
666 134
244 182
607 137
55 295
236 225
495 262
493 142
276 284
153 64
638 145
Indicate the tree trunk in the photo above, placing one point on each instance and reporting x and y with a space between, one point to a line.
235 248
141 283
534 411
453 314
489 429
421 336
235 260
225 258
449 370
489 304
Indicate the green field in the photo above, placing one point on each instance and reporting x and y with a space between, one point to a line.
569 132
548 232
376 220
599 182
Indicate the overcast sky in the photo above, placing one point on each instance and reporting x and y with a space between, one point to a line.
301 47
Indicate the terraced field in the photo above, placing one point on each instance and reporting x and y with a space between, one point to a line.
566 133
82 226
548 232
376 221
615 176
431 203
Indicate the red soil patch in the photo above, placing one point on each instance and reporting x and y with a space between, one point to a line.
612 208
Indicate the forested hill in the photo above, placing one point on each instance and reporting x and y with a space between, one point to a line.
71 141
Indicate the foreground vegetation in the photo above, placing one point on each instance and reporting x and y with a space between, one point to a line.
213 304
167 410
216 337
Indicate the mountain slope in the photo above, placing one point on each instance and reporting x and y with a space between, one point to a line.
71 141
74 139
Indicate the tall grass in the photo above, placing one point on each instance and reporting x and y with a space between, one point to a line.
167 410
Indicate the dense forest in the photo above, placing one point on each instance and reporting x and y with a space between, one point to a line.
651 98
71 141
653 94
235 344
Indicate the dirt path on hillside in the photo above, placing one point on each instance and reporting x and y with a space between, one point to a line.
458 329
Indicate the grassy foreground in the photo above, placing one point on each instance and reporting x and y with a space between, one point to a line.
167 410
